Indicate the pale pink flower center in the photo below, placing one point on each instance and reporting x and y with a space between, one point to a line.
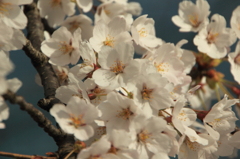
117 67
143 136
162 67
109 41
142 32
4 8
212 37
66 48
193 19
62 76
125 113
146 93
113 150
77 121
194 146
182 116
74 25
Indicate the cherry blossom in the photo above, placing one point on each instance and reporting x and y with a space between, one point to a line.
235 21
215 38
76 118
110 34
234 59
147 135
118 111
117 66
192 17
63 47
221 119
12 15
143 32
55 10
79 21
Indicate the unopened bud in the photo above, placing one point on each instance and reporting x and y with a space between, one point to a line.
236 90
92 96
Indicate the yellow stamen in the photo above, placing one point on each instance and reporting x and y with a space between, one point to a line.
193 19
211 38
146 93
4 8
109 41
117 67
143 136
143 32
77 121
66 48
125 114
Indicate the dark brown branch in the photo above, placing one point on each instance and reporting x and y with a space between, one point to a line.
20 156
49 79
39 60
64 141
36 114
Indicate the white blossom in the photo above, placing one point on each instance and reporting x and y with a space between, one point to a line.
192 17
234 59
111 34
235 21
215 38
76 118
63 47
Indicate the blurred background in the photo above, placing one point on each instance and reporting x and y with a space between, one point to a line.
22 135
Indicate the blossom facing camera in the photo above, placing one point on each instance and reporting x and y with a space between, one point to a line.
76 118
63 47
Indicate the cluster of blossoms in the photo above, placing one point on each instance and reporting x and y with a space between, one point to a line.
12 19
123 107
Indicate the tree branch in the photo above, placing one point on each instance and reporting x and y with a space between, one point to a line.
20 156
39 60
64 141
48 77
36 114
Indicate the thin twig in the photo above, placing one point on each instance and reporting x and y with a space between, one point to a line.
20 156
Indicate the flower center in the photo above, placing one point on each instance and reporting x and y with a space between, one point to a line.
107 12
146 93
125 113
76 121
74 25
55 3
113 150
215 123
66 48
117 67
143 136
182 116
109 41
162 67
4 8
62 76
193 19
211 37
194 146
142 32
